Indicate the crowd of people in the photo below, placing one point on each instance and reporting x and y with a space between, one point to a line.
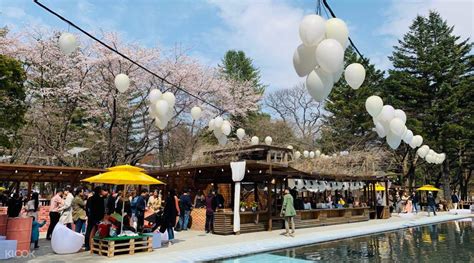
85 211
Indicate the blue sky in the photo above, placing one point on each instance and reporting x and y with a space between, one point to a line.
267 30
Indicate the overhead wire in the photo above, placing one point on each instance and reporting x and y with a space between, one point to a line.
163 79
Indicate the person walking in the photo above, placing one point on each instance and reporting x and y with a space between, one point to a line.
32 206
211 206
186 206
170 212
141 207
78 210
95 209
455 200
415 201
288 211
56 203
66 209
431 203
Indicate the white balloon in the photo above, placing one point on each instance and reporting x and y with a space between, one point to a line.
218 121
338 74
312 30
318 86
254 140
122 82
374 105
155 95
162 108
268 140
311 154
170 98
222 140
423 151
67 43
337 29
387 113
211 124
305 154
304 60
408 136
218 132
330 55
354 75
400 114
289 147
240 133
393 140
196 113
318 153
417 141
297 155
162 124
226 128
397 126
381 132
442 157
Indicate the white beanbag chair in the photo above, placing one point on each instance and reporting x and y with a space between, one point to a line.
459 211
66 241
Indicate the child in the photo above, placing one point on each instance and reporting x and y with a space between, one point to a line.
35 231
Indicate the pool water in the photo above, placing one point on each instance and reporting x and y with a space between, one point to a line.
445 242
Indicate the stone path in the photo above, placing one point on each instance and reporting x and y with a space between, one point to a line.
194 246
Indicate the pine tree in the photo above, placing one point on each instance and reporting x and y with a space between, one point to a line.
431 82
237 66
347 124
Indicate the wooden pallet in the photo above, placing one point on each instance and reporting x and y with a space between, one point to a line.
121 245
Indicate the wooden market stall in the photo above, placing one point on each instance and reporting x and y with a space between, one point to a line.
268 169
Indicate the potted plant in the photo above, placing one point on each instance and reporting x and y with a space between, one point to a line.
242 206
254 206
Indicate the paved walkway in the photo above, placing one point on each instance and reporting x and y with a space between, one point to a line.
194 246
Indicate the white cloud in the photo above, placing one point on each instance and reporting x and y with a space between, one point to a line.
13 12
267 31
400 14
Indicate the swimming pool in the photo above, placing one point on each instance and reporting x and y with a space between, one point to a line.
445 242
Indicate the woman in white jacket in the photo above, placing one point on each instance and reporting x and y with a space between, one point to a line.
66 209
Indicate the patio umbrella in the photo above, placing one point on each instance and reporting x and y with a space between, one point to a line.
428 187
123 175
378 187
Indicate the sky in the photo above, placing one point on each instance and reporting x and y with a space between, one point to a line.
266 30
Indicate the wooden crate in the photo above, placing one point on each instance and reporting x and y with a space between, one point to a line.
121 245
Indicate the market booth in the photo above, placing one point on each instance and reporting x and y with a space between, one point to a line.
268 171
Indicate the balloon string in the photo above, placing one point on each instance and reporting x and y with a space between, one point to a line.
220 110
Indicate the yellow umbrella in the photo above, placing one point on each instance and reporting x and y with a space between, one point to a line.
428 187
2 188
123 175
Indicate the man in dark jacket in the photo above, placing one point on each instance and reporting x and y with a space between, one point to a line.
95 212
14 206
185 206
431 203
211 205
415 201
141 206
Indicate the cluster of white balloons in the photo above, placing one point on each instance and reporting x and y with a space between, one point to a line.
390 123
321 186
255 140
161 107
430 156
221 129
321 56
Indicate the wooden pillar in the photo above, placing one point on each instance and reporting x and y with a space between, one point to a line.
29 187
255 192
269 205
386 193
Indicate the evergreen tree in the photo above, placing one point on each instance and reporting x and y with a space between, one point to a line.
12 97
237 66
431 82
347 123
